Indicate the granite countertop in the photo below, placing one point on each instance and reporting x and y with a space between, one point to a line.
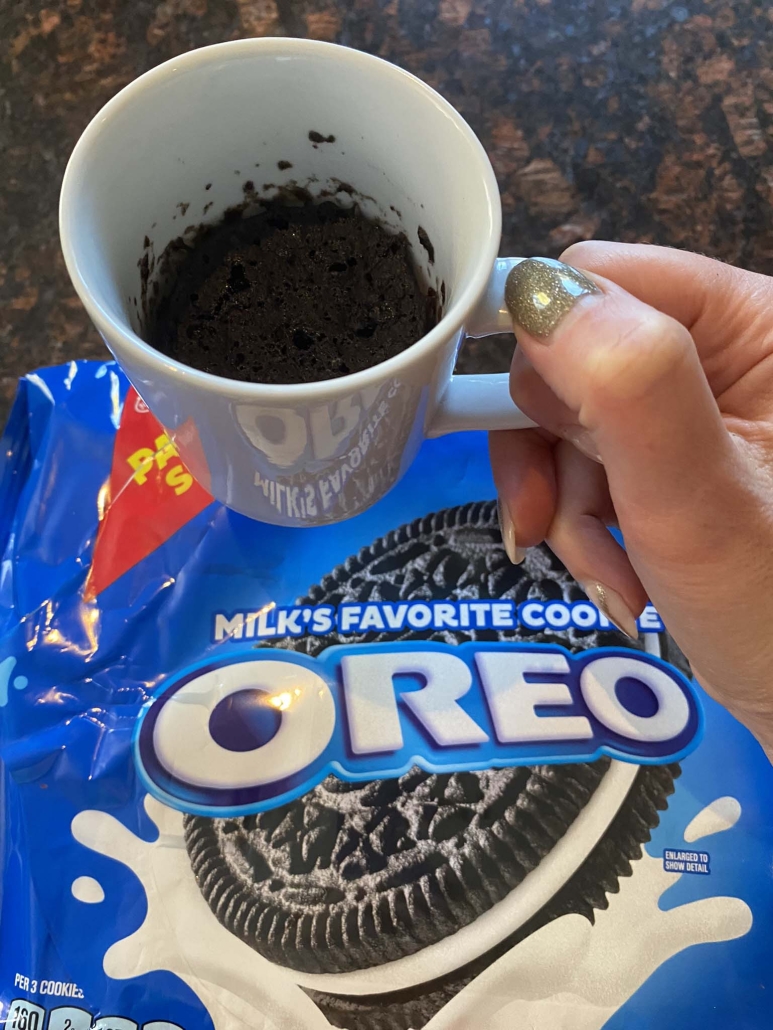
620 119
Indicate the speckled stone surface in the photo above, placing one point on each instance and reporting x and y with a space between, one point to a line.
637 120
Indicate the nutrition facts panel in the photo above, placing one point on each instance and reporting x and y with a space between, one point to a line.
26 1015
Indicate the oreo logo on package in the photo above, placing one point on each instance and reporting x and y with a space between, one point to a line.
271 725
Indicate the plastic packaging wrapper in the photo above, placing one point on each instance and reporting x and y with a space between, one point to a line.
369 775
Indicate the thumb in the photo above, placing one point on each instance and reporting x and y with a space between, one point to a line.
633 376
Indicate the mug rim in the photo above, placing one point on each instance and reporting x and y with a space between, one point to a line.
128 341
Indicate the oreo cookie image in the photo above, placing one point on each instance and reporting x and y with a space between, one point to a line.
386 898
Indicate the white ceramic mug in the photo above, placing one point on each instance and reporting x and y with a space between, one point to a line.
175 149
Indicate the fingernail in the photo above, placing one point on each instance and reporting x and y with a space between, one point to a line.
515 553
614 607
540 291
583 441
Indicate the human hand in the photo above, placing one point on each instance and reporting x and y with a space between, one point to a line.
659 364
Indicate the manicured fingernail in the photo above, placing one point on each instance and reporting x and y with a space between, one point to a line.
583 441
515 553
540 291
611 604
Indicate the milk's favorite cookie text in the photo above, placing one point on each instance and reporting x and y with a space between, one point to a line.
276 622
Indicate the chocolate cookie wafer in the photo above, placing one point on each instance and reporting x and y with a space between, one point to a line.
584 893
353 876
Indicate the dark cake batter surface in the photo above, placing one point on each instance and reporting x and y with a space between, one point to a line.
293 294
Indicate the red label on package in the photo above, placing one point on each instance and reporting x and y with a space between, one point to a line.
149 496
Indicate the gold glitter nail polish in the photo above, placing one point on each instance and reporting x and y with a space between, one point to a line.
540 291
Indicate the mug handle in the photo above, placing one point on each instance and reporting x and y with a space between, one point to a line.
482 401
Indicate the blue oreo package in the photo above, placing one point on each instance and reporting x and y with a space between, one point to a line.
368 775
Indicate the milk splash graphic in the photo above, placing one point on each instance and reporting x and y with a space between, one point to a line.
574 975
568 975
240 989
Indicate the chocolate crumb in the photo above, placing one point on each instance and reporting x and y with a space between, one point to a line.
426 242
